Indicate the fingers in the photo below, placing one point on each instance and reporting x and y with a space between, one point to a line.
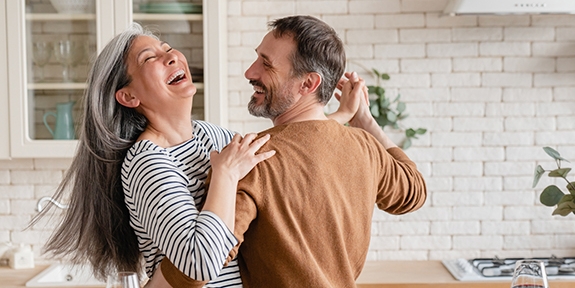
337 96
255 145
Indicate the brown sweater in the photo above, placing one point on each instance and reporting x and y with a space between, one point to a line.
303 217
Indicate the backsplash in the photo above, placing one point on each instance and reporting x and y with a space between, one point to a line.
491 91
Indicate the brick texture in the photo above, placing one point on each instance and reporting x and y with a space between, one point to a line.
491 91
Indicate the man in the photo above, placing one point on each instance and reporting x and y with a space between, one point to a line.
303 217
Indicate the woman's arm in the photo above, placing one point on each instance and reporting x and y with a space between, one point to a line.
228 167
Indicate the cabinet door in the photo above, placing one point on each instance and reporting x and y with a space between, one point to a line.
4 127
198 29
42 93
50 43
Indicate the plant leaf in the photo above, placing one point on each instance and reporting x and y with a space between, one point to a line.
537 175
384 76
564 208
409 133
374 110
391 116
420 131
371 89
551 196
379 91
566 198
561 172
406 143
400 107
554 154
571 188
376 72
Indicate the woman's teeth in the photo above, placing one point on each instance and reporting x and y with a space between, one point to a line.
176 76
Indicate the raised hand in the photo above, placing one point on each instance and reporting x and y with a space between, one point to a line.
353 96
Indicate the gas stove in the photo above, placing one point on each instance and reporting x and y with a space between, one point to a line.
485 269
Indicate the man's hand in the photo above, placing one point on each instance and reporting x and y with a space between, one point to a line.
353 94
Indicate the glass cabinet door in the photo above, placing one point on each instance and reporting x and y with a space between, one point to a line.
50 44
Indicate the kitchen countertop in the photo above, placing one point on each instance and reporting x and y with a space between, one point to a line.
381 274
426 274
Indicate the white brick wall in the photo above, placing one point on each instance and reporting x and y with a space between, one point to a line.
491 90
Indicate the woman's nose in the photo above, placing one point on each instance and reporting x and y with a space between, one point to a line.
171 58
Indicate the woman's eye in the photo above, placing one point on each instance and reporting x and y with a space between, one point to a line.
148 58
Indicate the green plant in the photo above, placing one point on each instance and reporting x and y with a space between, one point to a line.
552 195
390 113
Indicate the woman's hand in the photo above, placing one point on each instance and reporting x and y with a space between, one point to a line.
228 167
239 156
353 96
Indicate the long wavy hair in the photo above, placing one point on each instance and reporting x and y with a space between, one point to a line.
96 228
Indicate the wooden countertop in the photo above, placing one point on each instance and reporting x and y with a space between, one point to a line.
381 274
425 274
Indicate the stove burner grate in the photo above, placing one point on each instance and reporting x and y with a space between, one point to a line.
497 267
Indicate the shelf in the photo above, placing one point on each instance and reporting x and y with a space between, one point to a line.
168 17
137 16
58 17
74 86
56 86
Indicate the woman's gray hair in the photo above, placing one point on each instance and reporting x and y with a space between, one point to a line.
96 227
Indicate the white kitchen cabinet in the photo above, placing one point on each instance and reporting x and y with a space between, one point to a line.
4 124
36 90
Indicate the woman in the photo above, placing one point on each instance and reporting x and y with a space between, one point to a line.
137 178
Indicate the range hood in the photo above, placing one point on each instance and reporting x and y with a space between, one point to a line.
504 7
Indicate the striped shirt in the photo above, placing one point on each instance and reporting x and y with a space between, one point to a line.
162 188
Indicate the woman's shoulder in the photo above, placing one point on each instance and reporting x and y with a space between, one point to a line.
145 149
201 126
210 134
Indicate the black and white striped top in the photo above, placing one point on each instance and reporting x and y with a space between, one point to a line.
162 188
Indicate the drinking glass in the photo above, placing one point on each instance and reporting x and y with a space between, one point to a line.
67 53
41 52
123 280
529 273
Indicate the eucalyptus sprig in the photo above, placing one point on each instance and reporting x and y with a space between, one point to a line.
552 195
390 113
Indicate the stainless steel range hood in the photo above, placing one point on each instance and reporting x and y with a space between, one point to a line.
504 7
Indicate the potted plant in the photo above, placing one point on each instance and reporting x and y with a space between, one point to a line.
390 113
553 195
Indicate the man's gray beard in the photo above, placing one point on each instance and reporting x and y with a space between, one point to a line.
266 110
261 110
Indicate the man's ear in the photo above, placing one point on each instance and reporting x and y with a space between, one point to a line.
127 99
310 83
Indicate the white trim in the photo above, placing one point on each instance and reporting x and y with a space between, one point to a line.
215 62
4 112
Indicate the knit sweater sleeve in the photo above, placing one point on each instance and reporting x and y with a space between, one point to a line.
401 188
197 242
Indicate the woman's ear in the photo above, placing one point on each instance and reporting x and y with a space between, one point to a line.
310 83
127 99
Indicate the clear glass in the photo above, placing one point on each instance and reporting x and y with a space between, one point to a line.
529 273
60 39
123 280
